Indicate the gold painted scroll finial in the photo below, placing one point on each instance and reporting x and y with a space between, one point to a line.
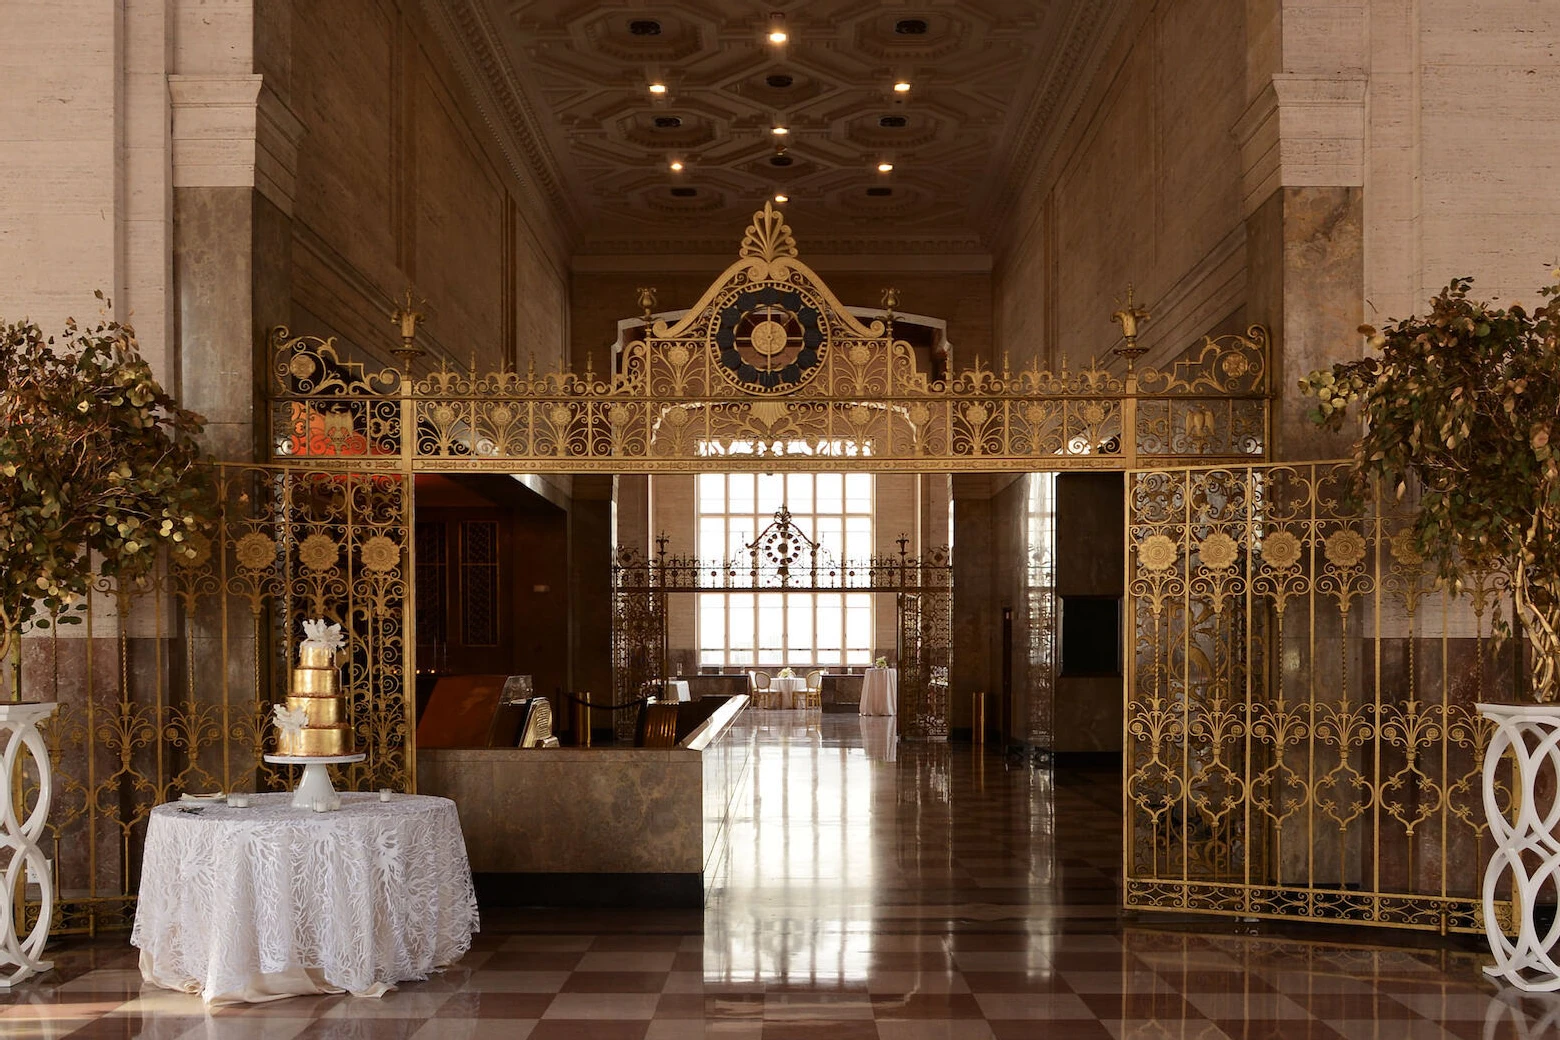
647 301
769 237
407 316
1130 318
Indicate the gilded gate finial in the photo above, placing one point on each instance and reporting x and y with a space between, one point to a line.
647 301
769 237
1130 318
407 316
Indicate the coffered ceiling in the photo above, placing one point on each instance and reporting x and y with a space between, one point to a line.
567 85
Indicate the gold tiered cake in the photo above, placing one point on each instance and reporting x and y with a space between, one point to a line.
314 723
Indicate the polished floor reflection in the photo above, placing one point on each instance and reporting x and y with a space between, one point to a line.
871 890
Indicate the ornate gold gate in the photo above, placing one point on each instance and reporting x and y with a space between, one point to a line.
1301 738
167 687
783 558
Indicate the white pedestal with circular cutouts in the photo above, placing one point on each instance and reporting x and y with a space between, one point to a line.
25 861
1527 841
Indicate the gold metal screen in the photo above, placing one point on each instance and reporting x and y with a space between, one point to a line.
767 370
1301 738
783 558
167 687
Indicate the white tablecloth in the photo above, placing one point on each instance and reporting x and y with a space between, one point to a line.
880 692
785 688
270 901
677 690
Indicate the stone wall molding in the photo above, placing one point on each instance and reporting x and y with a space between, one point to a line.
234 131
1302 130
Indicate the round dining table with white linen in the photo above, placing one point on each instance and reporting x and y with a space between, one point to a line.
787 689
880 692
267 901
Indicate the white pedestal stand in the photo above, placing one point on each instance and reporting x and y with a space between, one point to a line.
316 778
19 728
1528 849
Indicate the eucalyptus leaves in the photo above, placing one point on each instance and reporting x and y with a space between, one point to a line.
99 470
1463 403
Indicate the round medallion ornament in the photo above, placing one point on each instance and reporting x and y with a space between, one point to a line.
1344 548
1218 551
1157 552
1281 550
768 339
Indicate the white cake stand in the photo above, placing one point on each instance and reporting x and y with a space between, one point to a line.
316 778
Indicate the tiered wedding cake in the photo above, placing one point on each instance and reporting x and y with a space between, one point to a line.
313 723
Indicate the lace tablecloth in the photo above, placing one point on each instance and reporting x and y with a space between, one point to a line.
269 901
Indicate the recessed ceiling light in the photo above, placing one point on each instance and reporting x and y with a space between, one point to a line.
885 167
880 193
901 87
910 27
779 131
667 122
780 160
676 166
658 88
782 198
684 193
777 33
891 122
779 80
778 36
644 27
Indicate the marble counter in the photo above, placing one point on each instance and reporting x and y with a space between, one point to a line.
607 826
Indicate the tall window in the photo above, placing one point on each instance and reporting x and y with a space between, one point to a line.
775 629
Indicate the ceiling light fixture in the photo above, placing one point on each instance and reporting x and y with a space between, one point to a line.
676 166
902 87
779 131
777 33
885 167
782 198
658 88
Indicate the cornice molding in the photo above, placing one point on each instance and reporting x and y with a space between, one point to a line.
467 34
1050 112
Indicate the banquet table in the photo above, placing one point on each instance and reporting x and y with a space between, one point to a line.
257 903
880 692
786 689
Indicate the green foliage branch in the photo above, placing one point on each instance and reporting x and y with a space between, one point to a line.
100 470
1463 404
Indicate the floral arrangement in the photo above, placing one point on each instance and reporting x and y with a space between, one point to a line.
881 662
786 673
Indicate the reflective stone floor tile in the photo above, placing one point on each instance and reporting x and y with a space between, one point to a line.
1033 1005
904 982
861 1029
1153 1029
126 1027
495 1005
546 943
726 1029
616 982
816 1007
925 1005
935 1029
1069 1029
213 1028
1276 1029
517 981
660 960
602 1005
589 1029
1015 982
1145 1004
476 1029
518 960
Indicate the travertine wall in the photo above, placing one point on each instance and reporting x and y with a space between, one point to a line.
1142 187
400 184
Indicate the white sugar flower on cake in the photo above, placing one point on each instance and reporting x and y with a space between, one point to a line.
318 634
289 720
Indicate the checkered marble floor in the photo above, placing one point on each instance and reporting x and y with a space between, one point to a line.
943 895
